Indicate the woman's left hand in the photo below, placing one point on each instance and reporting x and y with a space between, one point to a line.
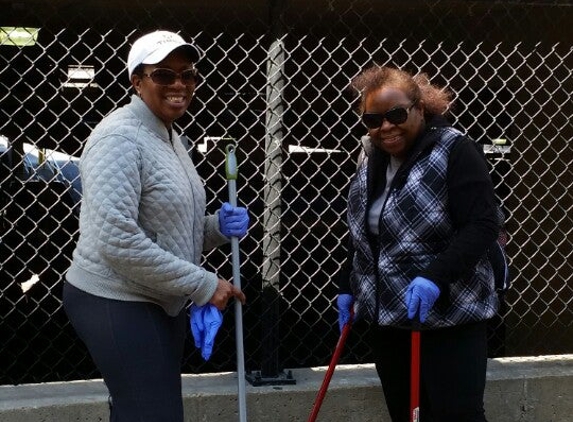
224 292
421 296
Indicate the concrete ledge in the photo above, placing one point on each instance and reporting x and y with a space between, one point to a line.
531 389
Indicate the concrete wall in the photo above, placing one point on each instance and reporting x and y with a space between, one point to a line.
532 389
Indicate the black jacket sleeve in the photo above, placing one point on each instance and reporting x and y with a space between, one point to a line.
473 208
345 270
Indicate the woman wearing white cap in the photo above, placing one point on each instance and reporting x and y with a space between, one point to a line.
142 232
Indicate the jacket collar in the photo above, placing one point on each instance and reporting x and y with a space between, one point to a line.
149 119
428 137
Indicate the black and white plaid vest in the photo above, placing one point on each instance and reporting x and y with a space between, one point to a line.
414 227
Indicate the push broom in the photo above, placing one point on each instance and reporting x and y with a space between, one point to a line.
232 174
333 362
415 372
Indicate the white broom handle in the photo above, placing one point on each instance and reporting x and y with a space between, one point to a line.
232 173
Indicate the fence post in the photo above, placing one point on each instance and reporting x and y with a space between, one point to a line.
271 372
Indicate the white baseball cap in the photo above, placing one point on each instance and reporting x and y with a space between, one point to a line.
155 46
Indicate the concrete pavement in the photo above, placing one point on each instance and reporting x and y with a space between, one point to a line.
529 389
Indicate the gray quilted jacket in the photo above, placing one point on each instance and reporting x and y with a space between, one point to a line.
142 224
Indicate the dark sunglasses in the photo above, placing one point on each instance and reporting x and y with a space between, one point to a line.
162 76
396 116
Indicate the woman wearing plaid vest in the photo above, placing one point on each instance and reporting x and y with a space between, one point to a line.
421 214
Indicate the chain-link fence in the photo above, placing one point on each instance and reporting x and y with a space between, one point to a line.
274 78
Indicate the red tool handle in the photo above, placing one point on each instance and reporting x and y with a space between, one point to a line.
330 371
415 377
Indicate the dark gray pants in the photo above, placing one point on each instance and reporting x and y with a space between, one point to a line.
137 348
453 372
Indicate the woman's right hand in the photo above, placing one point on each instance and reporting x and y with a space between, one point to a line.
224 292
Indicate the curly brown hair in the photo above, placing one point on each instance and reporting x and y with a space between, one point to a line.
437 100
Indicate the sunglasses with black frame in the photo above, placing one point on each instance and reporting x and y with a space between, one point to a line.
164 76
395 116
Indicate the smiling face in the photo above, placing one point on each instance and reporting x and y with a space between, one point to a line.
395 139
167 102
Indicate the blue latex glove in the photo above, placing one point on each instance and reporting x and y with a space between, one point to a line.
233 221
344 303
205 322
421 296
